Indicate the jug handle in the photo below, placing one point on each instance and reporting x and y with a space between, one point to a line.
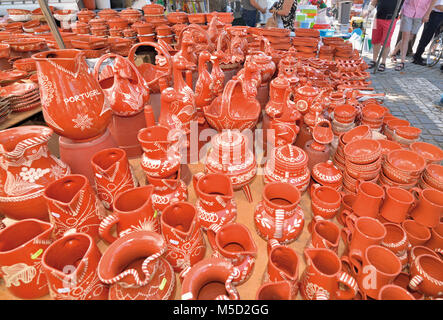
415 282
279 223
349 219
105 227
346 236
195 178
351 285
356 261
417 193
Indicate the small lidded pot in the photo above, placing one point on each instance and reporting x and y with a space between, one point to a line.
326 174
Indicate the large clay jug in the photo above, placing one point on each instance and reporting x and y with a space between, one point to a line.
73 103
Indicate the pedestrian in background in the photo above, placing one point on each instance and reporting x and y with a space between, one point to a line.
250 9
286 10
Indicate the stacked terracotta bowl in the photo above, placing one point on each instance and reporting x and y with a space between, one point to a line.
85 15
145 31
432 177
306 42
431 153
406 135
344 118
117 25
19 15
99 27
279 38
21 96
372 115
402 168
155 14
391 124
326 53
131 15
4 109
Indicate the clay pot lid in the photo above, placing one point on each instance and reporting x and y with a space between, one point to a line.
163 27
308 90
290 156
360 132
85 12
18 11
430 152
327 173
98 21
389 145
116 19
406 160
79 24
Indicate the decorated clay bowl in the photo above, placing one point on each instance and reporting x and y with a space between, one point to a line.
431 153
362 151
345 113
407 132
360 132
373 112
406 161
433 176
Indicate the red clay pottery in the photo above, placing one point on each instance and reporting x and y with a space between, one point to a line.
362 151
135 268
431 153
394 292
70 265
184 238
73 206
374 268
403 166
397 204
346 208
280 290
131 15
210 279
21 247
209 84
107 14
433 176
85 15
436 241
323 275
113 175
133 211
427 276
283 265
417 234
230 155
305 96
153 9
325 201
27 167
278 216
429 209
417 251
326 174
402 280
396 240
324 234
73 103
369 199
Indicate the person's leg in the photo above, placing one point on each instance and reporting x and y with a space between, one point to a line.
429 30
377 34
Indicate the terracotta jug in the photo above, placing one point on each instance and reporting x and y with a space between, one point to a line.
234 242
324 234
279 216
322 276
135 268
21 247
210 279
397 204
74 206
283 265
26 168
184 238
112 174
73 103
369 199
429 209
70 265
126 90
133 211
427 276
280 290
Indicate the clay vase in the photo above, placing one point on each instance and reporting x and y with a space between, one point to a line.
184 238
427 276
278 216
70 265
322 276
73 206
26 168
283 265
436 241
234 242
324 234
376 267
210 279
397 204
394 292
73 103
168 190
429 209
21 248
135 268
417 234
133 211
369 199
160 155
112 174
280 290
325 201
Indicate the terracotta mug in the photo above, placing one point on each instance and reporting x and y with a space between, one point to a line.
133 211
369 199
375 268
21 247
325 201
324 234
402 280
70 264
427 275
346 207
280 290
394 292
417 234
436 241
418 251
396 240
429 208
397 204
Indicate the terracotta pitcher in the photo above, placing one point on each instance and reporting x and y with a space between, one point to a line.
280 290
279 216
210 279
369 199
26 168
397 204
322 276
73 103
74 206
70 264
133 211
234 242
21 247
429 209
324 234
135 268
325 201
184 238
112 174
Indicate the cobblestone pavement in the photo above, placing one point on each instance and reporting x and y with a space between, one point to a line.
412 94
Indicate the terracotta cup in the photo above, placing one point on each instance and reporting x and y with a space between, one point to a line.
436 241
375 268
402 280
429 208
397 204
325 201
21 248
418 251
133 211
394 292
369 199
70 264
427 275
417 234
346 207
396 240
280 290
325 234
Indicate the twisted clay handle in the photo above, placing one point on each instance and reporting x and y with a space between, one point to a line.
105 227
279 221
350 283
415 282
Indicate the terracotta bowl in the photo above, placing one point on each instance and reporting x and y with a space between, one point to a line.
406 161
362 151
433 176
407 132
384 180
373 112
430 152
360 132
392 124
388 145
345 113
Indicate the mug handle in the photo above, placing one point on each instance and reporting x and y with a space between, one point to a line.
415 282
351 286
356 261
105 227
346 236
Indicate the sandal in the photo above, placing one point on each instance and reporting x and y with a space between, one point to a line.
371 64
381 67
400 66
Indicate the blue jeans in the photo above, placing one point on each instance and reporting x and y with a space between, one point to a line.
250 17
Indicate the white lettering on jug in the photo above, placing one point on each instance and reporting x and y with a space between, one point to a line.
82 96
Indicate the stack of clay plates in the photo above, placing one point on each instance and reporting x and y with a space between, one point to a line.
21 96
4 109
